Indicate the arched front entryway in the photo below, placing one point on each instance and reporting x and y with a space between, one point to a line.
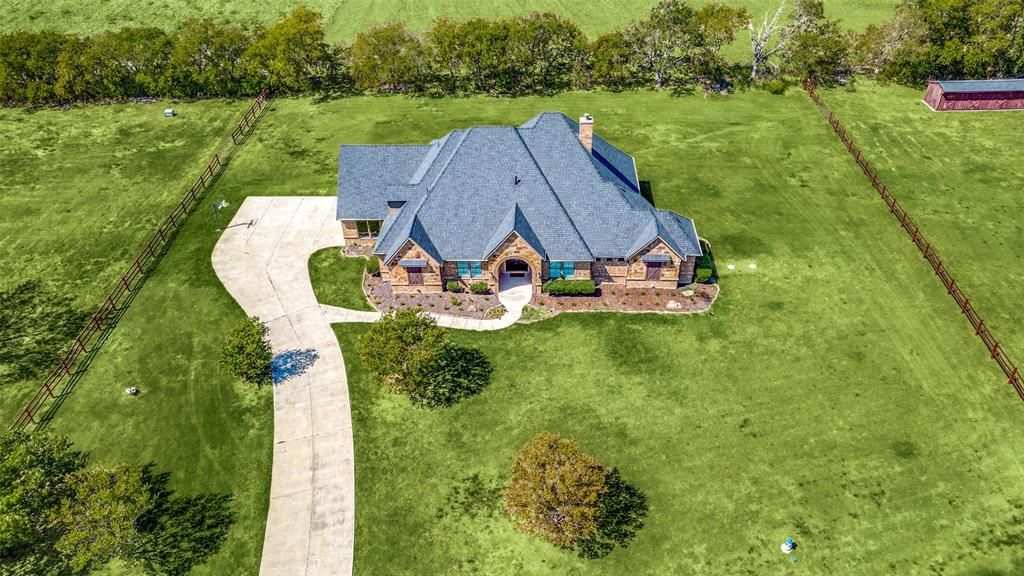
514 272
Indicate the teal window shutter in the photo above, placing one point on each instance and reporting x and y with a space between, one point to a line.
463 269
477 269
568 269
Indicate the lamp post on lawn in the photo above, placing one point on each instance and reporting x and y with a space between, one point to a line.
217 206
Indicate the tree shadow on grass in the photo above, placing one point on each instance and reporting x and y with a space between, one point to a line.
182 531
292 363
622 511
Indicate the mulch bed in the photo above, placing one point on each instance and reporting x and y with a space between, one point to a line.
477 306
683 300
364 250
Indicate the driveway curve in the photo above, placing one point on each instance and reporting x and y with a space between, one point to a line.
261 258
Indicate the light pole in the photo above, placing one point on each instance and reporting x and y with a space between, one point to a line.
217 206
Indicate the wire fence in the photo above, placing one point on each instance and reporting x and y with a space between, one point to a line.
74 362
927 250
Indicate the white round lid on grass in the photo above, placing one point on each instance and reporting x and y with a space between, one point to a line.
752 266
731 266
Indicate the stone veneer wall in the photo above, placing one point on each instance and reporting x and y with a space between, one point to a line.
513 247
399 276
350 231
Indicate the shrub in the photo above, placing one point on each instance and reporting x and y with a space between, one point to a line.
702 275
478 287
569 287
454 286
246 352
372 266
775 86
553 490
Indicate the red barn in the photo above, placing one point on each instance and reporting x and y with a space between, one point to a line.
975 95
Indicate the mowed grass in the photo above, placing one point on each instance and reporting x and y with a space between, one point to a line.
338 279
82 192
961 176
343 20
833 394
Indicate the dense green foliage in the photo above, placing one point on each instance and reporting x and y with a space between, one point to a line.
408 352
454 286
479 287
553 490
338 279
941 39
100 518
36 473
567 287
246 352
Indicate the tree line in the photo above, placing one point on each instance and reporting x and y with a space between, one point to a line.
676 46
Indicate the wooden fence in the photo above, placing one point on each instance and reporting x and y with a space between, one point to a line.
927 250
73 362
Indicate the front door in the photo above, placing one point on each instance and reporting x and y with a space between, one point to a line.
415 276
653 271
517 268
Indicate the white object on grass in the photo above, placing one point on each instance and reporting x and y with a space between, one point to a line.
731 266
752 266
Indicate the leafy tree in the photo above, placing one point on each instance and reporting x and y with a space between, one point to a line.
207 60
99 521
817 48
458 372
28 66
554 489
290 55
37 323
401 349
36 472
680 45
610 57
547 51
388 58
246 352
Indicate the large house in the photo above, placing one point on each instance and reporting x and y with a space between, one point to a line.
506 205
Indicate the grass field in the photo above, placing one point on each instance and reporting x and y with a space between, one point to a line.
833 394
343 20
961 176
82 192
338 280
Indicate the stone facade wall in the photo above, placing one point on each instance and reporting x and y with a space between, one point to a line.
349 229
399 276
636 277
513 247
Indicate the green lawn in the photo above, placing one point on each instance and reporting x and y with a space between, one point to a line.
338 279
343 20
961 177
833 394
82 192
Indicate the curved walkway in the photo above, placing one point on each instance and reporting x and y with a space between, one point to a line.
262 260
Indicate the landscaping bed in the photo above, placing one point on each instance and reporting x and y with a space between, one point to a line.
684 300
477 306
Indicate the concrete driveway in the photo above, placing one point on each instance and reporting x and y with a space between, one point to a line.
261 258
311 520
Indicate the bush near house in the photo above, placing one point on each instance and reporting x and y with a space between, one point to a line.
246 352
478 288
569 287
454 286
372 266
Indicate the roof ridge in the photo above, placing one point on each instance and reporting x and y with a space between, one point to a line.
558 200
448 160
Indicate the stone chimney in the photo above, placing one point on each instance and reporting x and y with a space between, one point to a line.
587 132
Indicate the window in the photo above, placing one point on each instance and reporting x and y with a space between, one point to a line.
469 269
562 269
368 228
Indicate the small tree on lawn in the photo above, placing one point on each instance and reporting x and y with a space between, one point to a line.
554 490
246 352
400 349
99 521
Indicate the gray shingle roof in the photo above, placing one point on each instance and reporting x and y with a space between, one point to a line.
466 192
1009 85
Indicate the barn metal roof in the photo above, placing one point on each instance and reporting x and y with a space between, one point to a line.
1009 85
